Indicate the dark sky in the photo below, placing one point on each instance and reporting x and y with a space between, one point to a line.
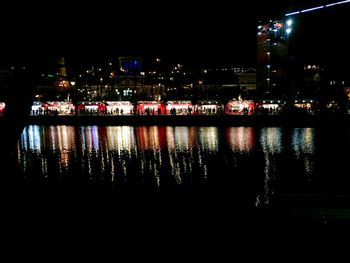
205 33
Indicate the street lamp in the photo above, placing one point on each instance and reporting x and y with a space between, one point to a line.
72 83
101 80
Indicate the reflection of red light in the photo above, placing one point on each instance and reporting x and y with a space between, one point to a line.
141 137
162 137
240 139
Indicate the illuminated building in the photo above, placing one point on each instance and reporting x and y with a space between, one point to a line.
130 66
272 58
130 81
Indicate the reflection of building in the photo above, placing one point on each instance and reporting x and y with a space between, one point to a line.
272 58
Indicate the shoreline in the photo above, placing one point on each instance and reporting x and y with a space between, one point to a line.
192 120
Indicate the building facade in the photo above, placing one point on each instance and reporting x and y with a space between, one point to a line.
272 58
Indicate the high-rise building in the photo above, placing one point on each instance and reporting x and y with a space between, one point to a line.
272 58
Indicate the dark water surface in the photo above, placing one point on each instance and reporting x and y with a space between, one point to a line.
261 162
195 191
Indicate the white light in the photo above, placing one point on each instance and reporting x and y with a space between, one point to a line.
312 9
293 13
317 7
290 21
338 3
288 30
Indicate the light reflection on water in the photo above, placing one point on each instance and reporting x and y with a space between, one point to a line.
37 143
166 156
304 146
241 139
271 144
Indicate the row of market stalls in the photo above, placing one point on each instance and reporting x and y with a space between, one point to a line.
176 107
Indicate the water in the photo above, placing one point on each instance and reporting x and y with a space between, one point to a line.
262 161
216 189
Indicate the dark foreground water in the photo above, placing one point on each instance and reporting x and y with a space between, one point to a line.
194 192
256 162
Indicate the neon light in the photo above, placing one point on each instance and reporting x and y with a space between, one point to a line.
293 13
312 9
338 3
316 8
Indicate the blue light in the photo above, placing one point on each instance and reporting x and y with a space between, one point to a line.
317 7
312 9
338 3
293 13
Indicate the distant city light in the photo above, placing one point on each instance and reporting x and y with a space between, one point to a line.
289 22
288 30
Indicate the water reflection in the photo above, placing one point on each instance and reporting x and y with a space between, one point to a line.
241 139
161 157
38 141
304 147
271 144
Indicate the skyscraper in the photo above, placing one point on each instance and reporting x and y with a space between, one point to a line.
272 58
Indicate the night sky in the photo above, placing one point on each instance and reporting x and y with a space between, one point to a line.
220 32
